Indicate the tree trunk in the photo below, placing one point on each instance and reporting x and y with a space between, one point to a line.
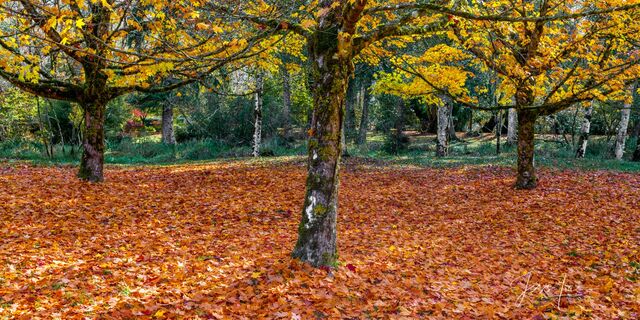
526 178
584 132
168 136
623 126
286 101
257 114
512 136
92 162
316 243
364 120
442 146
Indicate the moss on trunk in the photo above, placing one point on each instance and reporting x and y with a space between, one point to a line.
331 72
92 163
526 178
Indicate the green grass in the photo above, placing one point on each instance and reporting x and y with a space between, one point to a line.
145 150
466 152
482 152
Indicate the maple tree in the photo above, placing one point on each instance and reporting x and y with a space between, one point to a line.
212 241
338 32
543 66
91 52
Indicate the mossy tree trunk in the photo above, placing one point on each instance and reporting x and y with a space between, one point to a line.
526 178
332 69
92 162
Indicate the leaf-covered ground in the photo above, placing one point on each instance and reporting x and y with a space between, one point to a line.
213 241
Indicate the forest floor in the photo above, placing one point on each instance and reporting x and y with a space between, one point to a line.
212 240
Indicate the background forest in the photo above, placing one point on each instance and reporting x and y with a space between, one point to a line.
202 124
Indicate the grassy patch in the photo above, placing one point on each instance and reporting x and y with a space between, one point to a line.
476 151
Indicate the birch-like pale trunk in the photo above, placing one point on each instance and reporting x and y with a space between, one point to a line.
623 126
512 133
442 146
257 114
585 130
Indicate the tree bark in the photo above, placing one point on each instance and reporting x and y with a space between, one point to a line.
257 115
442 146
364 120
512 136
585 129
168 136
92 161
623 126
526 178
316 243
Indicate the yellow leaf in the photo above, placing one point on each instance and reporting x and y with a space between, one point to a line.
160 313
106 4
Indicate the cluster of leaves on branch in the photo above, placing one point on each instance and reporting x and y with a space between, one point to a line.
554 62
56 46
213 241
